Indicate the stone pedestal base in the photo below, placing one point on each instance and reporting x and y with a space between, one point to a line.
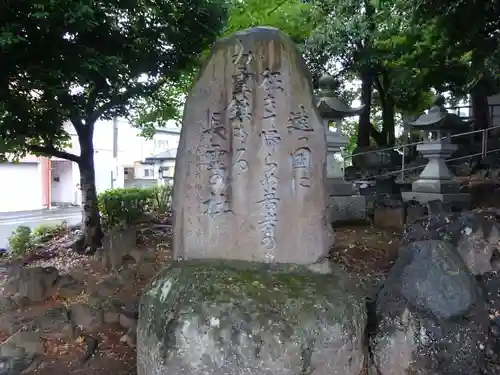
338 187
347 208
461 200
436 186
219 317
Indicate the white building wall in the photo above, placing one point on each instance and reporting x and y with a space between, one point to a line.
62 183
495 110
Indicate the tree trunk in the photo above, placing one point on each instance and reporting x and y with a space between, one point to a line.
480 107
364 126
388 122
91 221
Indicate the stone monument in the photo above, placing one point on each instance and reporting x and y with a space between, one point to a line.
243 295
250 171
344 203
436 183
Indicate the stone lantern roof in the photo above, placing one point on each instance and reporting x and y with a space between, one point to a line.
438 118
328 104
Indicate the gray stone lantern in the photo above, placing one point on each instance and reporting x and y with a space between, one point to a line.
436 181
344 204
332 111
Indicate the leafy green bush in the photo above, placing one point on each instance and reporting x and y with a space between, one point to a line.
122 207
161 198
20 241
125 206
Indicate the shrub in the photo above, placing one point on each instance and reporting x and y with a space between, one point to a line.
122 207
46 232
125 206
20 241
161 198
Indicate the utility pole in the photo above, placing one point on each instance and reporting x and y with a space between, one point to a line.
115 151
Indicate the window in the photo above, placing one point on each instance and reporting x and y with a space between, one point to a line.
161 144
128 172
148 173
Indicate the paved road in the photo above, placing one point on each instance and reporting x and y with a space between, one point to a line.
11 220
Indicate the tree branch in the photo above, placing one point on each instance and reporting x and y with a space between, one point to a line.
123 98
52 151
380 89
67 101
378 137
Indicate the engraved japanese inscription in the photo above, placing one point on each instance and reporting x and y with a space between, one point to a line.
301 164
216 162
299 120
272 85
240 108
269 205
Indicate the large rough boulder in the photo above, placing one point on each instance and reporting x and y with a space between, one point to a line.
212 317
250 176
476 234
431 318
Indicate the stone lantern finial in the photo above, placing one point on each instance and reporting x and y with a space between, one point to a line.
439 101
327 85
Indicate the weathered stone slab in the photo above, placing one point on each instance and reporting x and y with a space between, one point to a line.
251 163
345 209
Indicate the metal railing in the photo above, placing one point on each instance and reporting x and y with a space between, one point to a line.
484 152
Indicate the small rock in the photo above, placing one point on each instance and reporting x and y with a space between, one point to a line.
92 345
11 350
127 276
7 304
12 321
111 317
69 286
127 321
35 365
129 338
131 309
54 323
30 342
86 317
15 365
138 255
108 286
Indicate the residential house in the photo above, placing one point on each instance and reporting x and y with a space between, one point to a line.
163 165
146 170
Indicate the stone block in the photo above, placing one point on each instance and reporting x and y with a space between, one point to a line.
339 187
347 209
116 245
389 217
